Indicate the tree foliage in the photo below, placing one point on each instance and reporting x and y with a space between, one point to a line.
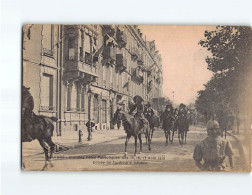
230 62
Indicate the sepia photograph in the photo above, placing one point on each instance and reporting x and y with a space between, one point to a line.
145 98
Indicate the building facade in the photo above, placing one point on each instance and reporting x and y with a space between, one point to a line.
82 72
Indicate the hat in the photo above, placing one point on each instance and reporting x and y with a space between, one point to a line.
148 104
138 99
212 124
182 105
168 106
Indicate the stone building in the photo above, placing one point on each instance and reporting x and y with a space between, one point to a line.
81 72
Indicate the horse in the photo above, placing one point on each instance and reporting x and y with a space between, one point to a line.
182 126
168 126
132 128
40 128
154 121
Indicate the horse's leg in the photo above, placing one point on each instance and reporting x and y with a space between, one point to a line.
42 143
149 139
179 137
169 134
172 134
52 146
182 137
140 141
135 145
126 143
166 137
152 131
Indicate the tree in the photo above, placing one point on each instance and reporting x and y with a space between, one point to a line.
230 61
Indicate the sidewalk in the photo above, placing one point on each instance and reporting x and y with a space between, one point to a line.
70 139
245 146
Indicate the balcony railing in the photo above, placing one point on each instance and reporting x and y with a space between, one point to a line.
134 53
51 108
109 52
108 29
121 38
149 86
47 52
137 74
88 58
75 109
121 62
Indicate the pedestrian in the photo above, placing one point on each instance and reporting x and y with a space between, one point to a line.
213 150
90 126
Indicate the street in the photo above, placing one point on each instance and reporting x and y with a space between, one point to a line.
109 155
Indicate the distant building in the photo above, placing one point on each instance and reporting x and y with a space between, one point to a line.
77 72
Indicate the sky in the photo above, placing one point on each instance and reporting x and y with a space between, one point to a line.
183 59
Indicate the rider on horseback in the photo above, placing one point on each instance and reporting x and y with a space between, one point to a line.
148 111
139 107
182 113
27 111
168 113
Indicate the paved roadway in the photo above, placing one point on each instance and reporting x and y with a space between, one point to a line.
109 156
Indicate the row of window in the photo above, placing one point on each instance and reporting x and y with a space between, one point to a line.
75 100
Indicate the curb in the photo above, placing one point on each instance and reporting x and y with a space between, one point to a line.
83 145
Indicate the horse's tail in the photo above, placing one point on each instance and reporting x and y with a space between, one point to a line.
48 123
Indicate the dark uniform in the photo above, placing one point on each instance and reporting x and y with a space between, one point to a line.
182 113
27 113
175 119
168 116
148 111
139 107
213 150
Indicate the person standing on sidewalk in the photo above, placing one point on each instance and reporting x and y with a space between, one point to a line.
213 150
90 126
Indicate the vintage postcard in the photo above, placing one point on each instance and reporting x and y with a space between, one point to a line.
141 98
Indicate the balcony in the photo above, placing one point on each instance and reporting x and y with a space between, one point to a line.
108 30
48 52
137 75
88 58
121 62
134 54
140 59
121 38
109 53
149 86
109 56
